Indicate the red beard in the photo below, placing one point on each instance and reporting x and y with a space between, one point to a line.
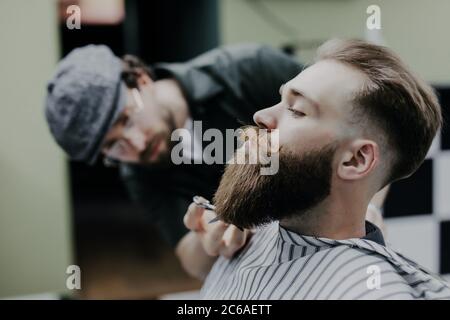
248 199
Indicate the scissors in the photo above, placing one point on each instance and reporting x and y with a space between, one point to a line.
203 203
208 206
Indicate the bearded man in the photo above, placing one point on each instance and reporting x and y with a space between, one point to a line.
348 125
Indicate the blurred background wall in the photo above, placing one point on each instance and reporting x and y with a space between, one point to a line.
35 246
415 29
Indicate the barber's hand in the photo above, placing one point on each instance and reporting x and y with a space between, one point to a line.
217 238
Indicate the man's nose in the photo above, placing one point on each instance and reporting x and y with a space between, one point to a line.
135 138
266 118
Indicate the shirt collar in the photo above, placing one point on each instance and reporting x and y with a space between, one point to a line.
373 233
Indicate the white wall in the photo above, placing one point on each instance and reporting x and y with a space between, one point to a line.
416 29
34 213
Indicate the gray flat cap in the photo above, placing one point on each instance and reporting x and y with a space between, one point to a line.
84 98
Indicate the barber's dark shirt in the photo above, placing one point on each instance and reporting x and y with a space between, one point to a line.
224 88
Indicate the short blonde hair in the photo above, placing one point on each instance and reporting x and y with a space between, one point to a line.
394 100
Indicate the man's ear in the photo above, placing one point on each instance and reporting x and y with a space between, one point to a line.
360 159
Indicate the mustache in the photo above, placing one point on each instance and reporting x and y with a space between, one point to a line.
144 155
265 140
159 138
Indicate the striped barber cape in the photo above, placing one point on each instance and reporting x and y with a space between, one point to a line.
279 264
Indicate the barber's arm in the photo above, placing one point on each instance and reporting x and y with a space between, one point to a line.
255 73
249 75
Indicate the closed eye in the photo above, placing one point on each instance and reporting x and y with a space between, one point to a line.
296 113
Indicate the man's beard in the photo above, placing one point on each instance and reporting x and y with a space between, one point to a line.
163 159
248 199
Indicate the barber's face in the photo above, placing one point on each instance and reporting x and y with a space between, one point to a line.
142 132
312 119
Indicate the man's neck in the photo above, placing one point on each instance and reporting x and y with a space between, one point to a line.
169 95
331 219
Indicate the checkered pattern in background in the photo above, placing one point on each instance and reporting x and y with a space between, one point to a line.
417 210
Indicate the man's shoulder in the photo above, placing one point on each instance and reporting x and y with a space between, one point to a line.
355 273
264 56
250 50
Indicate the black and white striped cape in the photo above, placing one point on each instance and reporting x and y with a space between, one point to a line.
280 264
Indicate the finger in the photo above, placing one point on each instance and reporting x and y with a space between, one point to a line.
193 217
208 216
233 240
213 237
234 237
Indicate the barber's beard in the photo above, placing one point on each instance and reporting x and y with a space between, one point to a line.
163 160
248 199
